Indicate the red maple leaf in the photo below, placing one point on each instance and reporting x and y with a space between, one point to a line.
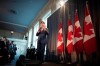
60 36
88 28
70 35
77 32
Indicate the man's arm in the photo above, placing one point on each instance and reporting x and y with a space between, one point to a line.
38 31
47 32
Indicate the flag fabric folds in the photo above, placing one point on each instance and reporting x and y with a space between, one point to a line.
78 36
89 34
70 37
60 42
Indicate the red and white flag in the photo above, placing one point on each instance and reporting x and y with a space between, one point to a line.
89 34
78 36
60 42
70 37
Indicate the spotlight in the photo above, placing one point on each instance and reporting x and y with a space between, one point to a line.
62 2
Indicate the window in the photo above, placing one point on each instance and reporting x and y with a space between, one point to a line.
36 27
24 37
29 37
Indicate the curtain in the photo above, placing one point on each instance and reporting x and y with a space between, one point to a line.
63 14
52 25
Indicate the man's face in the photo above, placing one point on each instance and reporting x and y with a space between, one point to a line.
4 39
43 25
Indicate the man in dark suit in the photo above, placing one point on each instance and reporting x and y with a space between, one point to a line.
42 41
4 54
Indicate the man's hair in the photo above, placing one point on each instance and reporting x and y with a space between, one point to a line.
42 22
12 41
4 37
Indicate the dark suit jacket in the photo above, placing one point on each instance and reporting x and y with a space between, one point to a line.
2 44
42 36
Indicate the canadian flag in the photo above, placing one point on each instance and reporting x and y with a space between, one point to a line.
89 34
60 43
78 36
70 37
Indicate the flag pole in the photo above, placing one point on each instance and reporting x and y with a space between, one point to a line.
69 55
62 54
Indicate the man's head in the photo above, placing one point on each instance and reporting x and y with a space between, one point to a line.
42 24
4 38
12 42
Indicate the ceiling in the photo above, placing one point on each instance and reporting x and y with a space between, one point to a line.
17 15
